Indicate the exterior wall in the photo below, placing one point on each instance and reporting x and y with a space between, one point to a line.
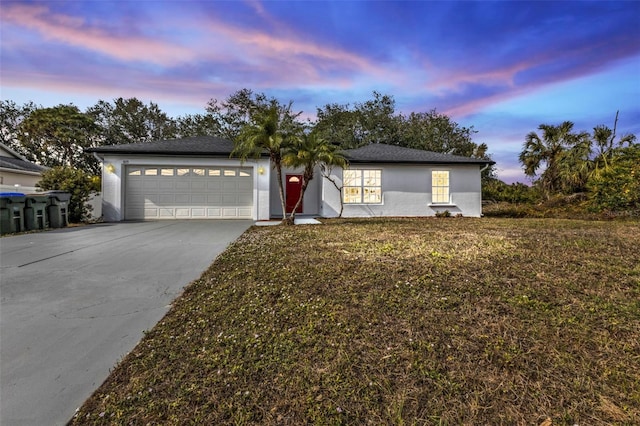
406 191
311 200
113 182
24 179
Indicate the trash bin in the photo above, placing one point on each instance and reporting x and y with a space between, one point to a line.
58 208
35 211
11 212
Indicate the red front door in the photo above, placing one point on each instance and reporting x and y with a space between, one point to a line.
292 191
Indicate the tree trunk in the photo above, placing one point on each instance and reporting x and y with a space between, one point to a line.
278 166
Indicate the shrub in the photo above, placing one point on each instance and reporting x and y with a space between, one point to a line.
618 187
496 190
78 183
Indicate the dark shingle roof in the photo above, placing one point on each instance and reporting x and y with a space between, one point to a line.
382 153
198 145
20 165
211 145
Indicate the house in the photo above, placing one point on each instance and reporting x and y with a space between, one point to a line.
196 178
16 172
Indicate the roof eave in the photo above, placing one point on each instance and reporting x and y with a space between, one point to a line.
476 163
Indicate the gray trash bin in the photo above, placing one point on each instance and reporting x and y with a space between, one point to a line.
35 211
11 212
58 208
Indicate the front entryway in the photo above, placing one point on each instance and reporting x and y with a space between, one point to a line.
292 190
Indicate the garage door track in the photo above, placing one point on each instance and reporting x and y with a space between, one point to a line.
75 301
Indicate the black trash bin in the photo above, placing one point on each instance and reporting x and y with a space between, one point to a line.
35 211
58 208
11 212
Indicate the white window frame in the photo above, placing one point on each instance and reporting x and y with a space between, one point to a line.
362 186
440 187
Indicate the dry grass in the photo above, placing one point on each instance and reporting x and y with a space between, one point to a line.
405 321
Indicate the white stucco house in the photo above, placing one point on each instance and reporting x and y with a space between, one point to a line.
17 173
196 178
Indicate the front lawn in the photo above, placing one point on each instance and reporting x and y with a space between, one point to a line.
397 321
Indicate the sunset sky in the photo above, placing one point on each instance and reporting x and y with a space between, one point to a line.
502 67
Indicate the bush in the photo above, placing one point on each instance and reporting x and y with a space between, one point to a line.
617 188
75 181
496 190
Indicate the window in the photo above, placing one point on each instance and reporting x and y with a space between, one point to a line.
135 172
362 186
166 172
214 172
151 172
440 187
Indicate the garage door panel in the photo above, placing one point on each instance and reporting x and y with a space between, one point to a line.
214 199
214 212
183 185
214 185
183 199
165 199
150 184
154 192
198 184
198 198
167 184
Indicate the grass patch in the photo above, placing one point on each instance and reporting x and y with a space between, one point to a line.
397 321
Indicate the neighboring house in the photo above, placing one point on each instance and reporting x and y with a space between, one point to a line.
16 172
195 178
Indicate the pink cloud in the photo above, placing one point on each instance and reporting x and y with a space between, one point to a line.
287 57
194 93
76 32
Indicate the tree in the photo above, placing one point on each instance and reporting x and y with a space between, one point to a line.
238 111
198 125
604 141
131 121
57 137
551 149
432 131
78 183
617 187
11 117
372 121
308 152
270 131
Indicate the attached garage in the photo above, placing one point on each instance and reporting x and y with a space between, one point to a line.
190 178
161 192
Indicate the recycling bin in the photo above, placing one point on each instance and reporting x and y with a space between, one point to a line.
35 211
11 212
58 208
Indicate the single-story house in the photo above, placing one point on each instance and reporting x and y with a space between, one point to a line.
16 172
196 178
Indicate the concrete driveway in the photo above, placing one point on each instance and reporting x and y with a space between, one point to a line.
75 301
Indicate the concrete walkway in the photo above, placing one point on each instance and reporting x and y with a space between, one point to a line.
75 301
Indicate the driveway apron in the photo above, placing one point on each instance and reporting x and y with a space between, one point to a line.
75 301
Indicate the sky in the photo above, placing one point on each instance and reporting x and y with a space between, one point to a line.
502 68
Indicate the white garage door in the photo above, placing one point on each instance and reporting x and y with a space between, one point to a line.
157 192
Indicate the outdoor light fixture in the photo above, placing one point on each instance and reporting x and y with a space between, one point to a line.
260 170
110 168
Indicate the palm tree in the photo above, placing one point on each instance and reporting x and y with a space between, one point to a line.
309 152
551 149
272 130
603 138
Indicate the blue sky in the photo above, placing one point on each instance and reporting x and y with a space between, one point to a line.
502 67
